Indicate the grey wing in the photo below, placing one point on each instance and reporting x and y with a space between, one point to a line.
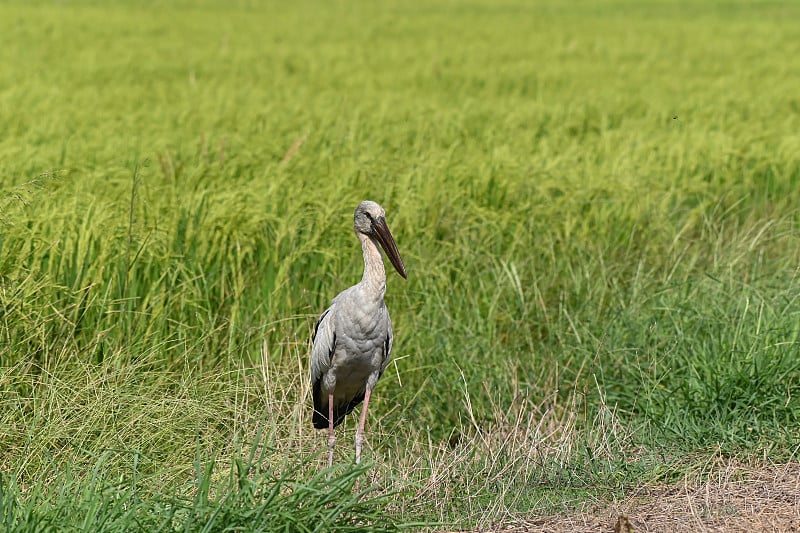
387 344
323 344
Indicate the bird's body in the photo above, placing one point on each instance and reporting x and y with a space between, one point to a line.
352 340
361 341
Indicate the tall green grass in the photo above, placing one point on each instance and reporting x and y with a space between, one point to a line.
241 501
597 204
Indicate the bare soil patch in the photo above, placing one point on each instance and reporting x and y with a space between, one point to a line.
733 499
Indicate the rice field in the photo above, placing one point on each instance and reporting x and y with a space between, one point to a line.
596 202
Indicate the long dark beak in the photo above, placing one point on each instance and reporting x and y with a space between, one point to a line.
384 237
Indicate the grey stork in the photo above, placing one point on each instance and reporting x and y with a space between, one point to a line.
352 340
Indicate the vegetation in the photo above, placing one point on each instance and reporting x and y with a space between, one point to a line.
596 203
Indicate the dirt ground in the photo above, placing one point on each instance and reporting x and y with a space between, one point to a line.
733 499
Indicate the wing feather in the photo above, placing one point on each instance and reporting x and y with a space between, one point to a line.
323 345
387 345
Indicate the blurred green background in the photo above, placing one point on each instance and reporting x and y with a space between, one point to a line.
596 203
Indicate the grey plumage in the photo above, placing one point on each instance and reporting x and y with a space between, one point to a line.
352 340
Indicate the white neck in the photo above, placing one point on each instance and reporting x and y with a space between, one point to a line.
374 275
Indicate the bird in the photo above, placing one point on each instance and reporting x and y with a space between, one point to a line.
352 340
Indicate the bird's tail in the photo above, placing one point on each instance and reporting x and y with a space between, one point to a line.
320 421
340 410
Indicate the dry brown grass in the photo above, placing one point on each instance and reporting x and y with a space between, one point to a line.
733 498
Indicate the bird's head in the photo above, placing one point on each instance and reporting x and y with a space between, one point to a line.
370 220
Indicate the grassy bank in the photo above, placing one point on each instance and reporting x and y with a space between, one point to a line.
596 203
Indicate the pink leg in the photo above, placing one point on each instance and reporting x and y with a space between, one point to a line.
331 434
360 430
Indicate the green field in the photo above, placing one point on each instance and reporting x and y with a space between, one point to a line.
597 203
